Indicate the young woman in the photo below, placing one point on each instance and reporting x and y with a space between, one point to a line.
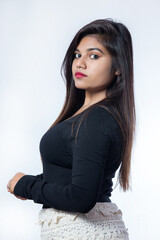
91 138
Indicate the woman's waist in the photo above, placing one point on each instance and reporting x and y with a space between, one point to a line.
101 198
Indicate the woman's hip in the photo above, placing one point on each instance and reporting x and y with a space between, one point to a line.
103 221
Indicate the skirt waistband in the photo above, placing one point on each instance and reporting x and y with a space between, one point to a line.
101 210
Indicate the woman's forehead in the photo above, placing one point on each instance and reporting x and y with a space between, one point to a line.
89 41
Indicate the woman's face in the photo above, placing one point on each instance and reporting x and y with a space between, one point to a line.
93 60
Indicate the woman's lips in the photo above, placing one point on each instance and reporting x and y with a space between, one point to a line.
80 75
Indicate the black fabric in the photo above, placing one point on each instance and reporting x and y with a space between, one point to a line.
78 174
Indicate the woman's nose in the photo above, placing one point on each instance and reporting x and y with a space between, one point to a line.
81 63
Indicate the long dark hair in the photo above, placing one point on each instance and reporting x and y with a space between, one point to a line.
116 38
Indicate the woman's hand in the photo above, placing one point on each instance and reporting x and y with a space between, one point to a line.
11 184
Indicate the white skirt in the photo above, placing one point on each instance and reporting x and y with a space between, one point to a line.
103 221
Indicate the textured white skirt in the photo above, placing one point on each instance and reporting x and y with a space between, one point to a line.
103 221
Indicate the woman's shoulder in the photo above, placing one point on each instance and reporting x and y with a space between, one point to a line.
103 115
99 123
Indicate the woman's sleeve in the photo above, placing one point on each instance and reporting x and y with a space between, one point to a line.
90 155
39 176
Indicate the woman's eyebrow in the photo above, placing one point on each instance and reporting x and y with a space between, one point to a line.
91 49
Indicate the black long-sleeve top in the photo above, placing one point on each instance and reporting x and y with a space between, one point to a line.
78 174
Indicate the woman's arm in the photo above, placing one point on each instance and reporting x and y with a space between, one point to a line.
39 176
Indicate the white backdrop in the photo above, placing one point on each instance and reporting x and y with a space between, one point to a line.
34 37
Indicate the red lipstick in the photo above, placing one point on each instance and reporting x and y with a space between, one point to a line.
80 75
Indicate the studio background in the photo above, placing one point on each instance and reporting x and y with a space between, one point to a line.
34 37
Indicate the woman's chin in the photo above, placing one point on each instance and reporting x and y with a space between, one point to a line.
79 85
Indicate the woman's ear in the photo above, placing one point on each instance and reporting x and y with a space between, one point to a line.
117 72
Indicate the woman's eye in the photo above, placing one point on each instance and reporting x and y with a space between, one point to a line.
76 55
95 56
